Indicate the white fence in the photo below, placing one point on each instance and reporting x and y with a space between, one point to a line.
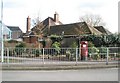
52 55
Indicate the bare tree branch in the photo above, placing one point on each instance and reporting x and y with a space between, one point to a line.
92 20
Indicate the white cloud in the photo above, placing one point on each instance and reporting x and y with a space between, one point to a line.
16 11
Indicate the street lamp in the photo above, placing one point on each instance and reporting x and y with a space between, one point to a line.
106 41
2 47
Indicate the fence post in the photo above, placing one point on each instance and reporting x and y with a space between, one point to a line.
7 56
76 55
43 55
80 52
115 54
107 56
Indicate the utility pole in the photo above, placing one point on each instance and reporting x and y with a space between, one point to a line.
2 46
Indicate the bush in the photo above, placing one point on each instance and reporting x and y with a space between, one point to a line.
93 51
19 49
12 41
37 52
56 45
21 45
90 44
74 45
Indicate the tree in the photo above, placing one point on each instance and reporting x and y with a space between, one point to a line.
37 25
36 20
92 20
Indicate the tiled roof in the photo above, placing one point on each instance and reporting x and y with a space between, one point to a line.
94 31
50 21
44 25
30 33
14 28
102 30
73 29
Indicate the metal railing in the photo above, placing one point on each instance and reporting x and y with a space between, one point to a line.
52 55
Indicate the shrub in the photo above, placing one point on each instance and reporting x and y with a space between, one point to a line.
74 45
93 51
56 45
21 45
12 41
37 52
19 49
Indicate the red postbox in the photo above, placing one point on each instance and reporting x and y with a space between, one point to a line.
84 50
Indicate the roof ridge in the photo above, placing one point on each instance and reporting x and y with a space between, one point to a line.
70 24
92 28
12 26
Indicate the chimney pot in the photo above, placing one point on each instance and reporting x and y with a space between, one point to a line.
28 24
56 17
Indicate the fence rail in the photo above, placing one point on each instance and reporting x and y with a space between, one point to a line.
35 55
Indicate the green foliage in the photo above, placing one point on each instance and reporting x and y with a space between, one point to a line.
103 50
71 54
90 44
19 49
56 42
21 45
56 38
117 39
94 52
56 45
74 45
68 54
44 43
12 41
103 40
110 40
96 40
37 52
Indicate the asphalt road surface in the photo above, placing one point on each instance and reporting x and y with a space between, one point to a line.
110 74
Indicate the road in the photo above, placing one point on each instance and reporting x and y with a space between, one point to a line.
110 74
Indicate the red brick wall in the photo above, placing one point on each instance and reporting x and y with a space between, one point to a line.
33 39
26 39
16 34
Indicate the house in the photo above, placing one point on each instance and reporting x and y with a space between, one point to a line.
52 26
79 28
102 30
72 32
44 26
35 35
10 32
15 32
6 32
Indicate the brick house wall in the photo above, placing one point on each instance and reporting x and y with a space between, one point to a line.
33 39
26 39
16 34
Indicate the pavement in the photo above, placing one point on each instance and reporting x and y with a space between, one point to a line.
60 65
108 74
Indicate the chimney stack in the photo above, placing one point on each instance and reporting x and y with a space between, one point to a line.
28 24
56 17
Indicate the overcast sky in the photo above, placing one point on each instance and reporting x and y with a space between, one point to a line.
16 11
